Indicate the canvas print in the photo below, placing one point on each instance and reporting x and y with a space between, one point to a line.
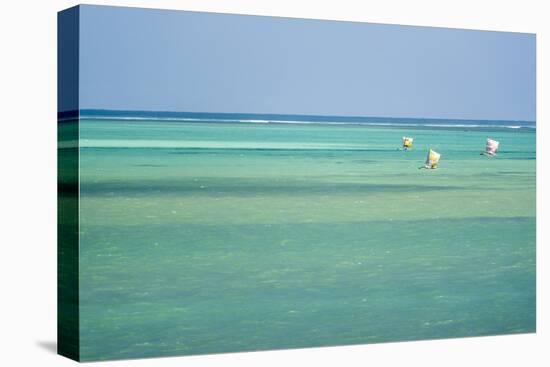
238 183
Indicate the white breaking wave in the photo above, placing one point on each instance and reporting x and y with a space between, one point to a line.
259 121
208 144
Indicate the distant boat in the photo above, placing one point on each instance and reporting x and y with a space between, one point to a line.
432 160
491 147
407 143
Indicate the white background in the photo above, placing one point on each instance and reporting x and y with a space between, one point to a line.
28 182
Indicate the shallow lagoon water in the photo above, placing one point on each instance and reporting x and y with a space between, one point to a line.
217 237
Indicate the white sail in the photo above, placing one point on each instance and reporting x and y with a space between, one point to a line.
491 147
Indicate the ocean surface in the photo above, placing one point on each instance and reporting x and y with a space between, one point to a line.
207 235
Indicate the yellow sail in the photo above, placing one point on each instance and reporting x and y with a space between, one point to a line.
432 160
407 142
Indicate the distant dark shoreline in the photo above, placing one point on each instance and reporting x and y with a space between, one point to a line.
288 119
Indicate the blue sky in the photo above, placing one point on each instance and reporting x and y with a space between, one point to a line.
157 60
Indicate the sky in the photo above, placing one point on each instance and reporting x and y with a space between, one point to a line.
158 60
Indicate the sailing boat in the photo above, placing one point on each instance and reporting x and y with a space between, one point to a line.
432 160
491 147
407 143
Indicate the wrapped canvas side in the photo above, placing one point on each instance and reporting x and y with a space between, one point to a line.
68 185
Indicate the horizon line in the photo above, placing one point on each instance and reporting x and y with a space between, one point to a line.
79 111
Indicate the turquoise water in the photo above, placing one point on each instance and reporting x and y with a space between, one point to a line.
220 237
